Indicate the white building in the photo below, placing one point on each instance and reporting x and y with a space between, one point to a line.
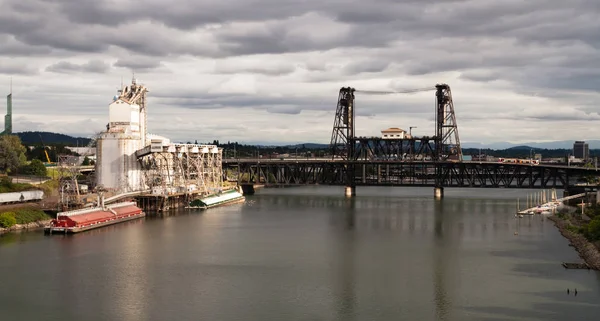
117 167
394 133
129 159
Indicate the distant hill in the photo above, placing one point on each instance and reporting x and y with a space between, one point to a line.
309 146
561 144
33 138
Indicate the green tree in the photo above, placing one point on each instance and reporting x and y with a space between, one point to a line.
593 230
35 167
590 179
12 153
7 219
86 161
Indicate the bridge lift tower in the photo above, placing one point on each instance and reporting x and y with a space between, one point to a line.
344 141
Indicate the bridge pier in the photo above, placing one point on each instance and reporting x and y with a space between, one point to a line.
247 189
438 193
350 191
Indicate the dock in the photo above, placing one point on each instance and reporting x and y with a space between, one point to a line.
543 206
583 266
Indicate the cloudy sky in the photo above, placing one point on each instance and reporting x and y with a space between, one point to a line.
269 71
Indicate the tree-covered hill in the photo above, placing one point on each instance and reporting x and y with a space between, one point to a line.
33 138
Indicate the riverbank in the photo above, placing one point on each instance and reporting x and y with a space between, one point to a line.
587 251
22 217
38 225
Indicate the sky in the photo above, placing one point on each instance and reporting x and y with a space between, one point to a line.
269 71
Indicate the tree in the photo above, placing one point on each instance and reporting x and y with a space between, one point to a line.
36 167
593 230
7 219
12 153
86 161
590 179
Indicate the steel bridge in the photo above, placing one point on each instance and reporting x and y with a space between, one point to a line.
403 173
435 161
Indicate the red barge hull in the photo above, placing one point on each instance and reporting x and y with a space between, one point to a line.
91 218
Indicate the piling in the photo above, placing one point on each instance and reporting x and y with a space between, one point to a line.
438 193
350 191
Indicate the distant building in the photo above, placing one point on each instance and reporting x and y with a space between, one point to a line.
581 150
394 133
8 117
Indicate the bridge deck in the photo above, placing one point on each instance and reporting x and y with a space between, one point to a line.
405 173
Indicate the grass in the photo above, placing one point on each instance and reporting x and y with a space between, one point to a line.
29 215
22 215
16 187
49 187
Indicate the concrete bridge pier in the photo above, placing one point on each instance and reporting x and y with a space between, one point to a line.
438 192
247 189
350 191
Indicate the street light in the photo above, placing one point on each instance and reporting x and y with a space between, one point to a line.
410 130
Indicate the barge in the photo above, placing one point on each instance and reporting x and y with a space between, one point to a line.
224 198
90 218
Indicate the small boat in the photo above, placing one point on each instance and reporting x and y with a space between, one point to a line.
90 218
222 198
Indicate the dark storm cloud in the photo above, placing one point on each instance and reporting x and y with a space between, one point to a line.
215 101
545 47
366 105
273 70
16 69
482 76
371 24
93 66
9 46
367 65
138 64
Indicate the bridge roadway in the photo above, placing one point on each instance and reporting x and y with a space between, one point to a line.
325 171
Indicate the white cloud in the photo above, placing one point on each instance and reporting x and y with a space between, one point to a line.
267 71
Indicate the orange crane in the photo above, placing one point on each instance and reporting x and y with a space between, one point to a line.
45 151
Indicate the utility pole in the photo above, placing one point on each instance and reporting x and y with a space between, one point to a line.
531 157
410 130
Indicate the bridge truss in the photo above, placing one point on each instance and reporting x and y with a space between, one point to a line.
398 173
345 146
444 145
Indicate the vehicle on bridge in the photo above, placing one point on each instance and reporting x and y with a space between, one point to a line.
519 161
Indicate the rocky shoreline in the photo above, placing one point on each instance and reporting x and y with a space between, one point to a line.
587 251
29 226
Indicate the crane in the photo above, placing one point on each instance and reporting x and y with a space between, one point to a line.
45 151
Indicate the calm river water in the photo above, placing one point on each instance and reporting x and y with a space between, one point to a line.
306 254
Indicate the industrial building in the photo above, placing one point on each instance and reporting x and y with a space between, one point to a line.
394 133
130 160
581 150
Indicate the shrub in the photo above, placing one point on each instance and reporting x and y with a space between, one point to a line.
35 167
593 230
7 219
29 215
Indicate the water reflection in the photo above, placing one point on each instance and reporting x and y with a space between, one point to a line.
441 259
306 254
345 250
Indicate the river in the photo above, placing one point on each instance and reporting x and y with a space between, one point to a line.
306 253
